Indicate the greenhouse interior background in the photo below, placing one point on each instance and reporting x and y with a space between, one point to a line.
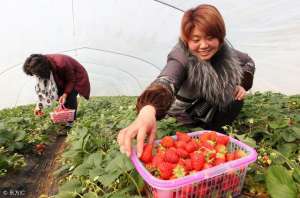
124 44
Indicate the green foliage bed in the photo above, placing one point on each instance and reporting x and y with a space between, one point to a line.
92 165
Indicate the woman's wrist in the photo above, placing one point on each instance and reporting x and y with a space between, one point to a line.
149 109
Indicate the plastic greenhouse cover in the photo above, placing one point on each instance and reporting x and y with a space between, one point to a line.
123 44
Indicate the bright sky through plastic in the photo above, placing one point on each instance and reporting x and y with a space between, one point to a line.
123 44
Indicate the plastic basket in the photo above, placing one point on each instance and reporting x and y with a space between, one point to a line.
62 114
219 181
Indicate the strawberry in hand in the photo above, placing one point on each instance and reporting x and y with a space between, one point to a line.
147 153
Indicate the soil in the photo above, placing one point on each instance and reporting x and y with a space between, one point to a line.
37 177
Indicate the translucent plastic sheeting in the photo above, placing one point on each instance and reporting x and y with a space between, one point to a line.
123 44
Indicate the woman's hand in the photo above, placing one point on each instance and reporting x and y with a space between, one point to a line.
63 99
239 93
37 111
144 125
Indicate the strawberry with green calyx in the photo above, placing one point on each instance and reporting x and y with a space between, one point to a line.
167 142
182 153
191 146
222 139
180 144
239 154
147 153
157 159
171 156
179 171
221 148
212 136
209 155
188 164
165 170
208 144
220 159
207 165
197 160
229 157
150 167
182 136
160 149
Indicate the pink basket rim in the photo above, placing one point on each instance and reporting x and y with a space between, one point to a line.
199 176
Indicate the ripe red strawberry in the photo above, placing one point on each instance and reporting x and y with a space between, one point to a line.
147 153
191 146
209 155
167 142
40 148
179 171
188 164
182 153
183 136
160 149
220 148
150 167
220 159
171 156
212 135
157 159
229 156
165 170
180 144
207 165
197 161
208 145
222 139
239 154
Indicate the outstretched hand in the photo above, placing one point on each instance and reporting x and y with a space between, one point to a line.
144 125
239 93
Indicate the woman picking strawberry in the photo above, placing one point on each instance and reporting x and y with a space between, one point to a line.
203 83
59 77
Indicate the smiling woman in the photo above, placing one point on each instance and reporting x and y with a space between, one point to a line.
203 84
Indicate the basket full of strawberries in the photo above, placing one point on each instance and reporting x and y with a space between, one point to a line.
198 164
62 114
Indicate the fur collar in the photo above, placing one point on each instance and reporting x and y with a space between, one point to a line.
215 80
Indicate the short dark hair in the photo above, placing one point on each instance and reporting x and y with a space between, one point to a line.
37 64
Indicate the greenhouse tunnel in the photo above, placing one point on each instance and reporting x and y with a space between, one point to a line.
124 44
129 41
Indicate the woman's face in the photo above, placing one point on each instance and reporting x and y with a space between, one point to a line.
203 46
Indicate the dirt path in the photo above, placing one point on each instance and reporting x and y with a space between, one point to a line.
37 177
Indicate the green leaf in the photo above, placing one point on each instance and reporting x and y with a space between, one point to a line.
107 178
119 162
296 174
288 135
20 136
97 171
278 124
90 195
247 140
82 170
296 132
65 195
71 186
287 149
280 183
